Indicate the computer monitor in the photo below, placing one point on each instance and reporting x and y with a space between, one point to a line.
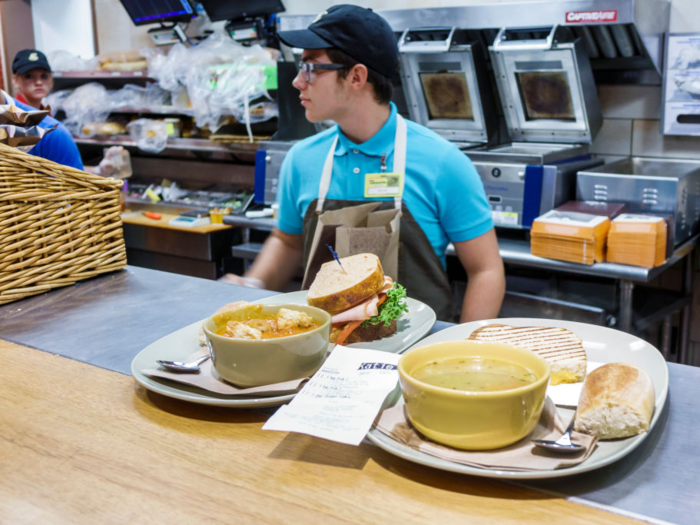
144 12
239 9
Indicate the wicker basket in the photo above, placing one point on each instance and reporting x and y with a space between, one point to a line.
58 225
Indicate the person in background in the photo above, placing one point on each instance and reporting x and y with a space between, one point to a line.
349 57
33 80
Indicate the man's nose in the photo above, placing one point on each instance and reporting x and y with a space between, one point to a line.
299 81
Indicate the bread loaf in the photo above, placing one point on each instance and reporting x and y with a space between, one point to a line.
617 401
336 288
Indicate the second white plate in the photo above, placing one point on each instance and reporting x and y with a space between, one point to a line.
603 345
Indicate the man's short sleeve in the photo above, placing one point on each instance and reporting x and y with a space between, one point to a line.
59 146
464 210
289 218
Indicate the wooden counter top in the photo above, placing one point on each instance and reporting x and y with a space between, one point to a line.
80 444
141 220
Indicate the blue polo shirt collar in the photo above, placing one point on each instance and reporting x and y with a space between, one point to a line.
382 142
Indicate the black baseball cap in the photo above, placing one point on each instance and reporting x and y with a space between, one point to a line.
29 59
357 31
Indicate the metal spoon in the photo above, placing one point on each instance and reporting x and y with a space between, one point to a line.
178 366
563 444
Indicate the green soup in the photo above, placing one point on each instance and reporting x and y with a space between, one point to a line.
474 374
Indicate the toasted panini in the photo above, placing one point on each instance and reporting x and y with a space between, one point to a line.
560 347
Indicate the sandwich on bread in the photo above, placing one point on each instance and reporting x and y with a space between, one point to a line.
560 347
617 401
364 303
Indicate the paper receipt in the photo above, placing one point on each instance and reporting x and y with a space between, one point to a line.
342 399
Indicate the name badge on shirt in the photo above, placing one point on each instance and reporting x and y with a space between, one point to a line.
383 185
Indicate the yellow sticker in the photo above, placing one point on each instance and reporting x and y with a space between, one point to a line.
383 185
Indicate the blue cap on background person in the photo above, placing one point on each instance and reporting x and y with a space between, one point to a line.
29 59
357 31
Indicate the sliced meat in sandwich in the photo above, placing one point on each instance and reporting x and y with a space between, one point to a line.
560 347
364 303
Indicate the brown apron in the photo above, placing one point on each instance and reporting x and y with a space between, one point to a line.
419 268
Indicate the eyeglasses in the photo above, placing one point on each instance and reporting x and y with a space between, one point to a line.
306 68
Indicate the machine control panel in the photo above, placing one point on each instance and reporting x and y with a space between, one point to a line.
505 192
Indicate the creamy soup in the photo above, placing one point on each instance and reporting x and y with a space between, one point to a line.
474 374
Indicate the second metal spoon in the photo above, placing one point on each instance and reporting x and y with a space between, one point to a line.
563 444
178 366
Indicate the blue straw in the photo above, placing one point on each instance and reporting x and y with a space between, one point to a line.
335 256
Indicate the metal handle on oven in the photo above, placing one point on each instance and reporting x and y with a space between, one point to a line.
500 44
430 46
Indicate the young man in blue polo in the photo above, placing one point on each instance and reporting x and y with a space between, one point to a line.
349 57
29 68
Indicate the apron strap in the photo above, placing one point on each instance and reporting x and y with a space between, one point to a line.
326 177
400 154
399 164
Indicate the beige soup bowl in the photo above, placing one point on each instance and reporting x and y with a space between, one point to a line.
473 420
256 362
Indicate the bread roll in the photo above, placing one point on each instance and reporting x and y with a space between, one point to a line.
617 401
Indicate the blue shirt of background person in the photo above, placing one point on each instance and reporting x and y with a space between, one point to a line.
58 145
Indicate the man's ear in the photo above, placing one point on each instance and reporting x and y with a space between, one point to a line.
358 76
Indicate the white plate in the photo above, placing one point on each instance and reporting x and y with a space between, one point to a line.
178 346
603 345
181 344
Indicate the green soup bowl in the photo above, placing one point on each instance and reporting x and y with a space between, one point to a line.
257 362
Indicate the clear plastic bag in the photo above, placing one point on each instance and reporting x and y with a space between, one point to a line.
149 135
66 61
87 104
55 99
131 96
221 76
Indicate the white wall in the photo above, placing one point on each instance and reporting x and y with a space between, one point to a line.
63 25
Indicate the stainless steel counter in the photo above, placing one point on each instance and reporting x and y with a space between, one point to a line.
107 320
517 253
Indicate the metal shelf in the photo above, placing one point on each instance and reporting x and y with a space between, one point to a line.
163 110
518 252
173 144
104 74
248 250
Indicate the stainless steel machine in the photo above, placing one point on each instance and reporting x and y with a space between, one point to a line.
658 186
551 109
543 55
444 79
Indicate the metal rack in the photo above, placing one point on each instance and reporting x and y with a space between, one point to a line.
200 145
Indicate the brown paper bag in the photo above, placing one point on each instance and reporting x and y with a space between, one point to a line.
353 230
